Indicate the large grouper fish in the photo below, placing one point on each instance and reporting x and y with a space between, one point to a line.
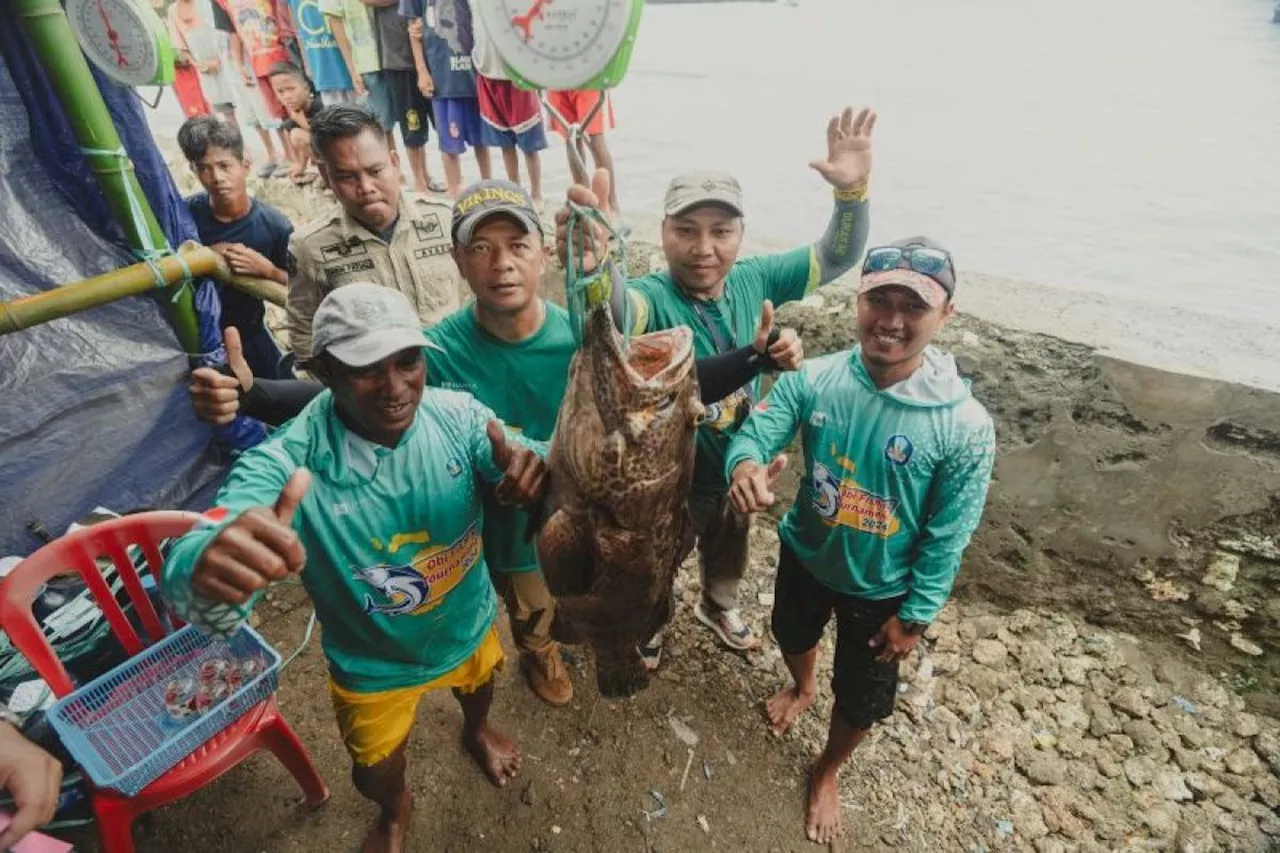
616 522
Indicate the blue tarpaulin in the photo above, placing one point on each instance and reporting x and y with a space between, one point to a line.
93 407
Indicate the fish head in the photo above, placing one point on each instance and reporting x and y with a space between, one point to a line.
375 576
631 411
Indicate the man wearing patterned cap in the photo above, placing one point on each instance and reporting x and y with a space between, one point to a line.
898 458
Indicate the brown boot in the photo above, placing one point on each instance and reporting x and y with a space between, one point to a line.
548 675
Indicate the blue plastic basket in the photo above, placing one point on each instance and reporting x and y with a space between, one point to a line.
116 726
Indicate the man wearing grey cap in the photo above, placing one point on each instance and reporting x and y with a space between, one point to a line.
373 487
512 351
898 457
720 297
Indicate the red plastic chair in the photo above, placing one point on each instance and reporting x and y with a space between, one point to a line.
261 728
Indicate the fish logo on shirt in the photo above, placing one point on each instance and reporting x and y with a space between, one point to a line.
826 491
404 589
842 501
423 584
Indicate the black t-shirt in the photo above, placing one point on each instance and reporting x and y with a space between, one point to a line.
395 52
263 229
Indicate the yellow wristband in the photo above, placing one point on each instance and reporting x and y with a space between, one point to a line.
858 193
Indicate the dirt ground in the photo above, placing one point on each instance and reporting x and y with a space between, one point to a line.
1103 683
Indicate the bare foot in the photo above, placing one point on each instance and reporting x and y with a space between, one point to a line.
822 822
784 706
388 832
498 757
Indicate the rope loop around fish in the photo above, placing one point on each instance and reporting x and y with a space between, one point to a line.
583 289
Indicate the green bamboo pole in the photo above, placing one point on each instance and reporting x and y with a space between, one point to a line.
46 27
54 304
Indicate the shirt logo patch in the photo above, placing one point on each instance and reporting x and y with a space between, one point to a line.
899 449
729 413
818 419
350 267
422 585
428 228
430 252
454 467
343 249
844 502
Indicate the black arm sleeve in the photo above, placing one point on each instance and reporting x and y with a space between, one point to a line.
274 401
721 375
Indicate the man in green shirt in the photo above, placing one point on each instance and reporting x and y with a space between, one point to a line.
720 297
897 463
373 488
511 350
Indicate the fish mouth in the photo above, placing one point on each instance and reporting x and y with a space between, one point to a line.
649 355
656 361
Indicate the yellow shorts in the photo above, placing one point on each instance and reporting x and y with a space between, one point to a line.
373 725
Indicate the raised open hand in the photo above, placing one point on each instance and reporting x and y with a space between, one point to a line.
848 163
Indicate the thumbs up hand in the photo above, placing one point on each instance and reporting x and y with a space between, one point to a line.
259 547
751 488
216 396
782 347
524 473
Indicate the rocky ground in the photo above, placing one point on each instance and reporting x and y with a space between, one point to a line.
1102 683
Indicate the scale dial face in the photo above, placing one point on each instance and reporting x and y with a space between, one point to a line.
122 37
557 44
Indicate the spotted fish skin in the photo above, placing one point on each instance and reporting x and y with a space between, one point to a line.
617 524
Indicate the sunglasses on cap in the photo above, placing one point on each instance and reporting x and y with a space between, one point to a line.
934 263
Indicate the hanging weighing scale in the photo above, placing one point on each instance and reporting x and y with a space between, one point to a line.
125 39
563 44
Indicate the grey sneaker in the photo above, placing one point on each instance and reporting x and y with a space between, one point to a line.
729 627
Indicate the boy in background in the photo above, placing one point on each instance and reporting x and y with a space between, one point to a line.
251 235
296 91
321 58
511 117
442 40
257 44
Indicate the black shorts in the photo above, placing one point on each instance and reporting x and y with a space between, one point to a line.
864 688
395 99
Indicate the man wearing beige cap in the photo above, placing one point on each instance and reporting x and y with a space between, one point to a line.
721 298
374 488
898 458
